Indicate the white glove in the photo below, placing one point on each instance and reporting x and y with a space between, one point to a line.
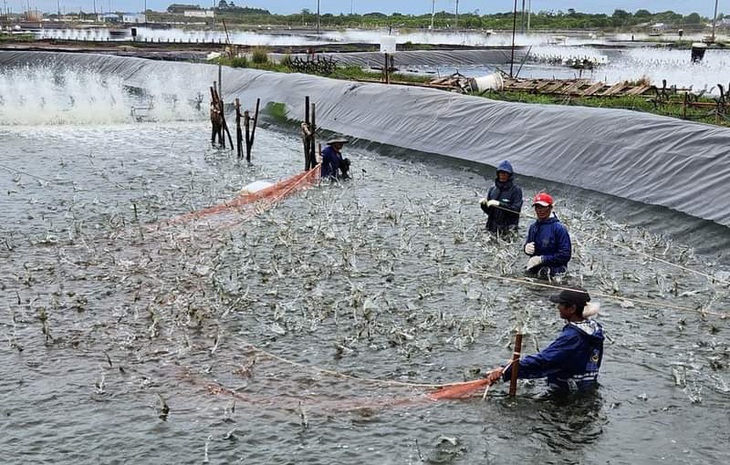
483 201
533 262
493 203
530 248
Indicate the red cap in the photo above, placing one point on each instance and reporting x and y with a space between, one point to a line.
544 199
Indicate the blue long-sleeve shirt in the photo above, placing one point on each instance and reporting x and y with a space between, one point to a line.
552 243
331 160
570 363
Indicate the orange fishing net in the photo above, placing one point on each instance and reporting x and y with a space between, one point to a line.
459 390
260 200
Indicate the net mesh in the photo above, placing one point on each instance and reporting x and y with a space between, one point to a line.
459 390
255 202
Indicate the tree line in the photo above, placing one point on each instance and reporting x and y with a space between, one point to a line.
570 19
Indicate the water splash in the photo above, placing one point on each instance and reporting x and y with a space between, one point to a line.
673 65
58 96
287 37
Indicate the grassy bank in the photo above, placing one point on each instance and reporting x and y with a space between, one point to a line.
699 109
259 59
6 38
702 109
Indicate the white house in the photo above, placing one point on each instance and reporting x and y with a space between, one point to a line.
199 13
108 18
134 18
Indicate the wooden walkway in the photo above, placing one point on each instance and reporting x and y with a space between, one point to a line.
575 87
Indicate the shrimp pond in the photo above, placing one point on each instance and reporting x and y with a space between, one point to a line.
310 332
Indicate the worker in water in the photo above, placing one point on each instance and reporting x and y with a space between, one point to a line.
548 242
572 361
333 165
503 202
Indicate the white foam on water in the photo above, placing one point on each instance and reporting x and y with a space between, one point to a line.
57 96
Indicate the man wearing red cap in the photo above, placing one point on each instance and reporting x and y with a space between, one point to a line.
548 242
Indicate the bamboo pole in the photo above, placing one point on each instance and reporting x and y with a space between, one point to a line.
249 138
312 141
515 365
215 102
306 133
225 127
218 102
247 128
239 142
386 70
220 77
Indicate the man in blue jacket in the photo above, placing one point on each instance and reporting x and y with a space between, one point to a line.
548 242
572 361
503 202
333 165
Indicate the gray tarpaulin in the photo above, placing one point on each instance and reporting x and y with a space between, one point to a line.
430 58
650 159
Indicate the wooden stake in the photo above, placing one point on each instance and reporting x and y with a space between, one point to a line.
312 144
219 104
249 138
306 109
515 365
247 128
239 142
306 134
386 71
220 77
218 108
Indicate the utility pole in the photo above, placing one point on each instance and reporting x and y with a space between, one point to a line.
522 18
529 12
714 19
433 12
318 24
514 31
456 21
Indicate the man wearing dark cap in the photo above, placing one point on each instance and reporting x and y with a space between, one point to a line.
571 362
333 165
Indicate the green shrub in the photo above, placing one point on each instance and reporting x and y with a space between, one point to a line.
259 56
238 62
276 110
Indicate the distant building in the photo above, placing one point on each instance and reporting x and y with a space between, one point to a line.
108 18
199 13
134 18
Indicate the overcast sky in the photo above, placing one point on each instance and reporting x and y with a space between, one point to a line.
703 7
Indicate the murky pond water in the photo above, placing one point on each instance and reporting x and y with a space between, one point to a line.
304 333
